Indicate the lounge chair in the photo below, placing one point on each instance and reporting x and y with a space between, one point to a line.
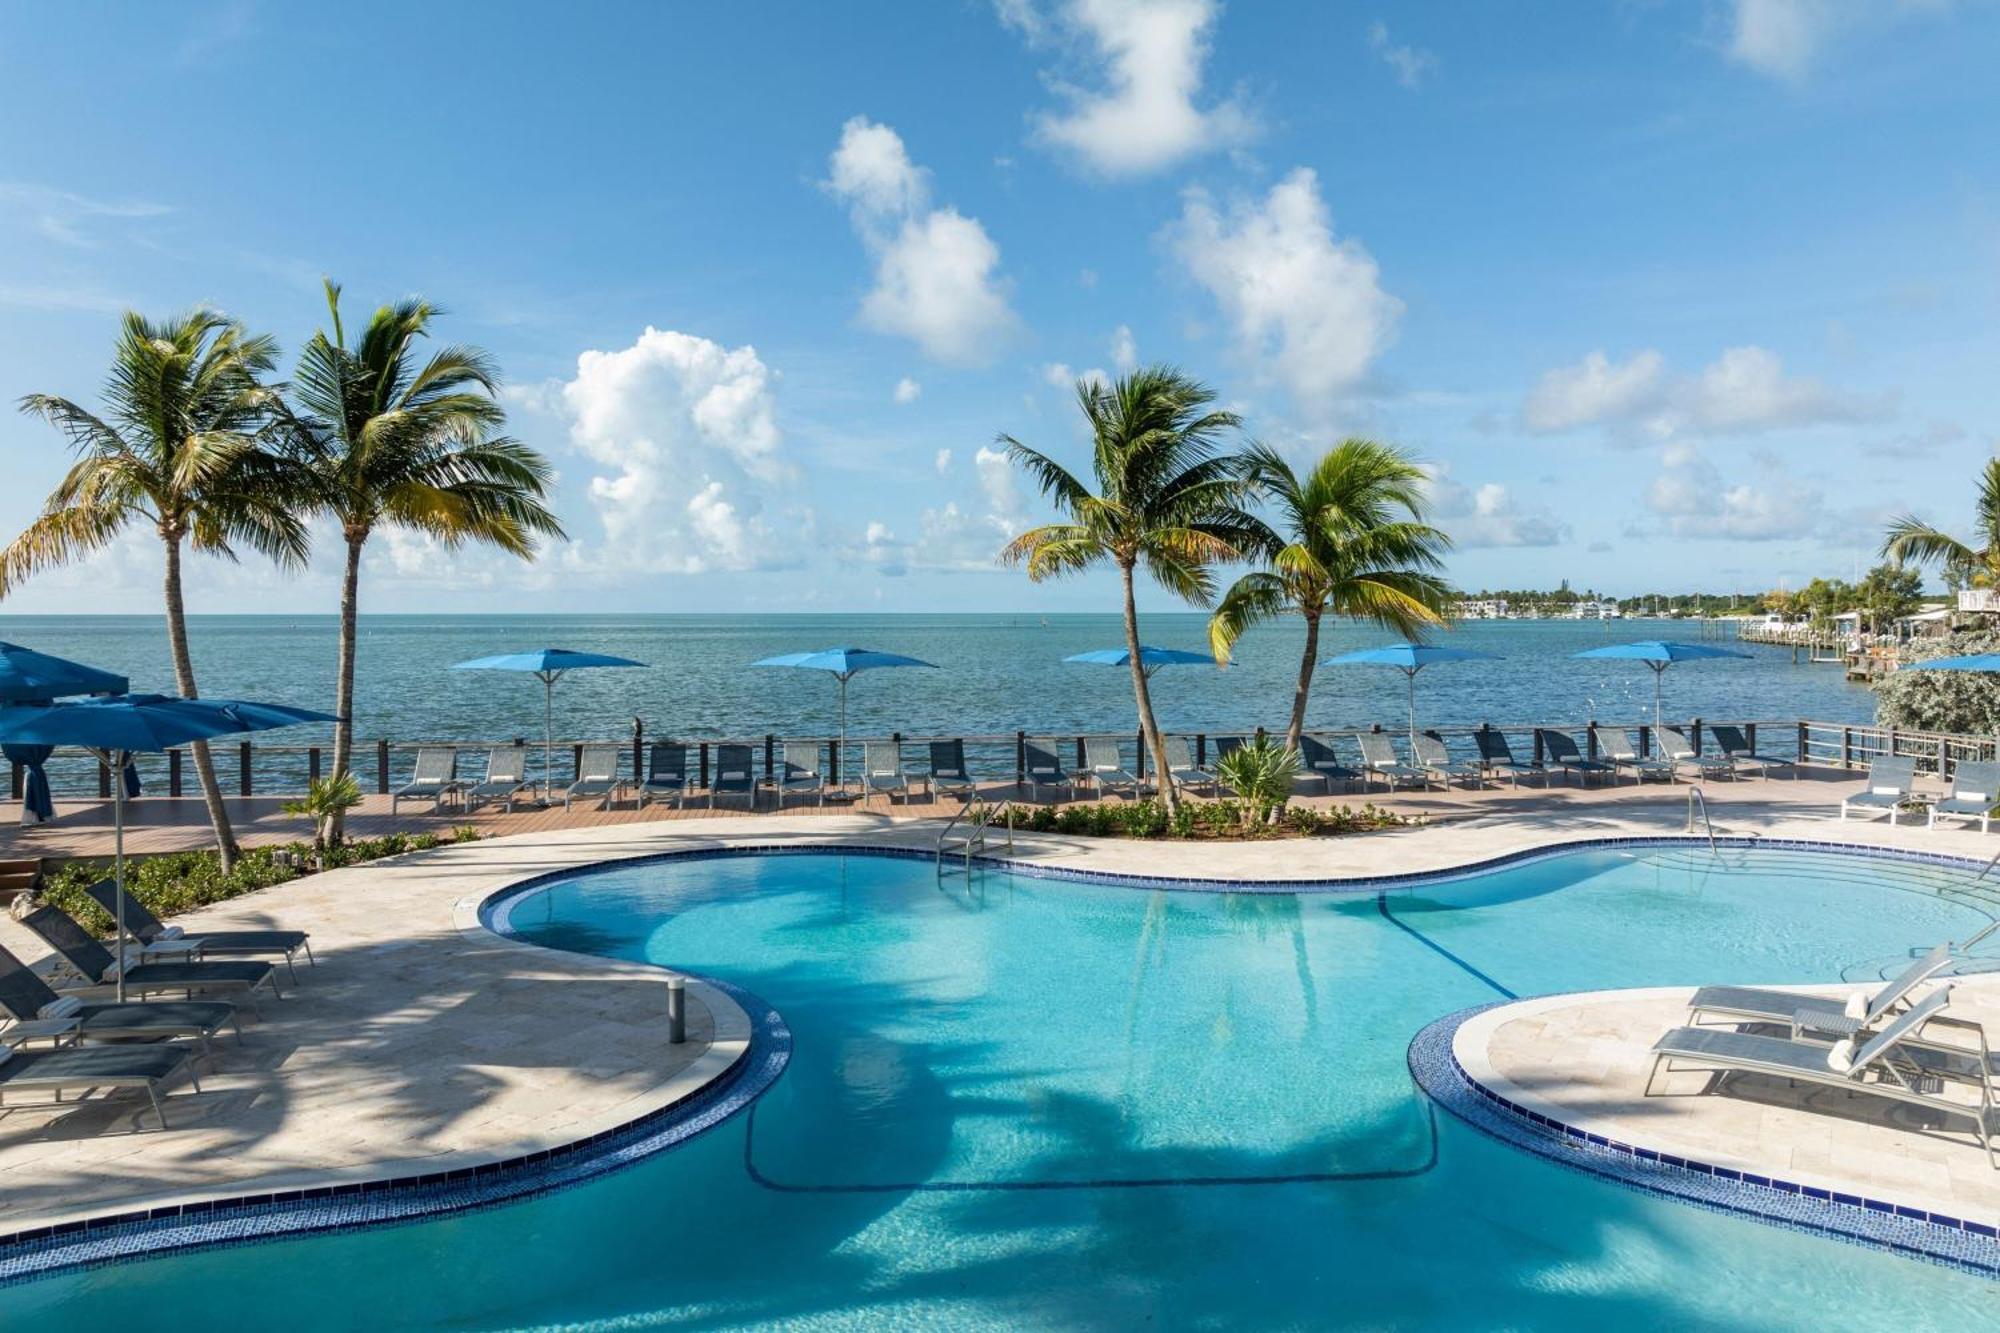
799 773
38 1010
1106 766
882 770
1974 789
1042 766
1615 744
1680 752
99 967
118 1068
1434 757
1318 759
1894 1065
735 775
1181 767
1496 756
1740 1003
597 777
947 774
666 774
434 779
1378 757
1740 753
1561 749
1890 783
506 777
158 937
1228 745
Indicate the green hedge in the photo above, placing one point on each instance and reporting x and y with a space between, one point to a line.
1198 819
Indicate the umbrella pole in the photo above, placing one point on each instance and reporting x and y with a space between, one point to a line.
1659 674
548 738
840 774
117 762
1411 676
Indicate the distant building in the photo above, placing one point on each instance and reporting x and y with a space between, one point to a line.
1481 608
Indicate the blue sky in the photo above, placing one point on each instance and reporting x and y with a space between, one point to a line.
1669 294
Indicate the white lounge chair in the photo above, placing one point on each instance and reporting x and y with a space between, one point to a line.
882 770
1042 766
1974 789
1107 767
1737 1003
666 775
1181 767
1378 758
1434 756
1891 782
597 776
434 779
1615 744
1742 754
506 777
1681 754
799 774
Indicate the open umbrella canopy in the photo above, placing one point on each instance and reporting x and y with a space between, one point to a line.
27 676
1659 654
1149 657
544 660
843 662
1969 662
143 723
1409 658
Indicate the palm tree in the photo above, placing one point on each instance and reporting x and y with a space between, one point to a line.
1354 544
1911 539
388 441
182 447
1168 499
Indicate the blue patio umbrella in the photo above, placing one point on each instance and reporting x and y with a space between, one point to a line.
117 728
1658 654
547 665
843 664
1968 662
1409 658
1150 659
26 677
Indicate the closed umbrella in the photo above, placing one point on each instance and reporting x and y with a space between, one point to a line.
1409 658
1659 654
843 664
28 677
547 665
117 728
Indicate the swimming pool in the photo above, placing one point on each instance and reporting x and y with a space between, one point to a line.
1030 1102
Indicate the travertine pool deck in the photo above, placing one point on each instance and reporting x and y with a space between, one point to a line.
422 1042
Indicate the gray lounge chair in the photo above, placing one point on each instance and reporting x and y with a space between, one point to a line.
117 1068
1227 745
1975 787
1738 1003
99 967
1181 767
157 936
799 773
39 1010
1561 749
1897 1064
1318 759
1681 754
1615 744
1042 766
1434 757
666 774
598 776
1107 767
1742 754
1378 757
434 779
506 777
1890 783
1496 756
947 776
882 770
735 775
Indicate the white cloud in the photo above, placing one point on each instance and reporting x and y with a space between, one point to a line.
1695 501
1006 508
1124 349
1785 38
67 217
1058 375
686 432
1147 56
1411 63
1595 390
908 390
942 462
1744 390
1489 515
1306 306
937 278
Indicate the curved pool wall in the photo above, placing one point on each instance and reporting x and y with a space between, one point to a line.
268 1217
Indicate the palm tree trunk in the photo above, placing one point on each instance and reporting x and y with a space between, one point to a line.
1148 726
177 641
1307 661
343 685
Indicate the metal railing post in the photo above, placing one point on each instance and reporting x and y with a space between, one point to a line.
173 772
638 749
704 763
381 768
103 781
312 765
1020 759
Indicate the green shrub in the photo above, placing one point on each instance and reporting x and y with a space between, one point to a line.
1260 773
1967 702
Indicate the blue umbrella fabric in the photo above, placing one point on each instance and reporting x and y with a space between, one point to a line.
116 728
1659 654
843 664
547 665
1409 658
1151 659
27 676
1968 662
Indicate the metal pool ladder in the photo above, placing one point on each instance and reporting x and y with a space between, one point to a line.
1697 801
964 834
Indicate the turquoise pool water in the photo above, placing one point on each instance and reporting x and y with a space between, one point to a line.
1020 1102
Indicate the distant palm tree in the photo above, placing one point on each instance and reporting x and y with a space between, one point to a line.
1913 540
388 441
1168 500
181 448
1354 543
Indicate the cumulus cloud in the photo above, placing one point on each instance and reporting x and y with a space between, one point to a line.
1410 63
1785 38
1306 306
1692 497
963 535
685 432
1058 375
1743 391
942 462
1489 515
1124 348
1145 111
937 272
907 390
